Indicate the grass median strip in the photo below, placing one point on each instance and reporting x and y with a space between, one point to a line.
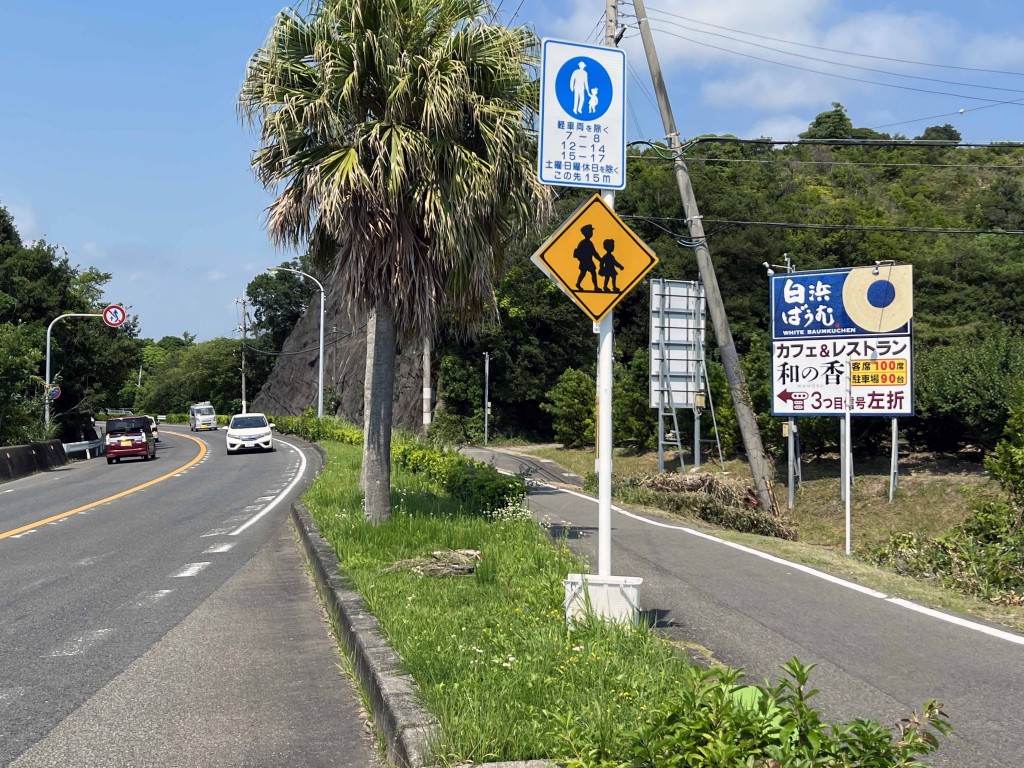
495 661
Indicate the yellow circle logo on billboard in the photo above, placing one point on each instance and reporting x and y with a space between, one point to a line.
596 258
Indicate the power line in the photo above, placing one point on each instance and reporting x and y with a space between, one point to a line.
843 64
316 348
835 50
790 161
948 114
659 149
844 227
993 102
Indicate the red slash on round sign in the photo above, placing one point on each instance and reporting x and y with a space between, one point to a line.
114 315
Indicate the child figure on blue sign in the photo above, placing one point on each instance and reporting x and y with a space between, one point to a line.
609 266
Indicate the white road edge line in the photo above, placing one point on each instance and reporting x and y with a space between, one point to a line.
276 501
948 618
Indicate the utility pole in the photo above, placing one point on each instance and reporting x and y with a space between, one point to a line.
487 392
243 302
760 467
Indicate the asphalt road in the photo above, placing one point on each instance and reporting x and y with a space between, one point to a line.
157 613
877 657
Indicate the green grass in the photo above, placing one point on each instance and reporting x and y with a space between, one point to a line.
508 679
491 651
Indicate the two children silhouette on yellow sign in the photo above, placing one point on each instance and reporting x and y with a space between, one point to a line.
593 263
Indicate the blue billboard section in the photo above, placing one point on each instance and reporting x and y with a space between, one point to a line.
841 302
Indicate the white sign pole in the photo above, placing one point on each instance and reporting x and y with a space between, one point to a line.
847 453
604 380
604 447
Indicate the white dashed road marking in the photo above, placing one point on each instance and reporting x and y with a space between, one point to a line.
153 599
218 548
81 643
189 570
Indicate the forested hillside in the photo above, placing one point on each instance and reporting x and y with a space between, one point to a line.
849 198
88 360
844 197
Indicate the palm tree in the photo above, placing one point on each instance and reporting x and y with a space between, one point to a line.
396 134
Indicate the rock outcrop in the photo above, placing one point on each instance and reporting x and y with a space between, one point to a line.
291 387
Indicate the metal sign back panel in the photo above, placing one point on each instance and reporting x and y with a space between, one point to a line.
677 325
582 137
841 338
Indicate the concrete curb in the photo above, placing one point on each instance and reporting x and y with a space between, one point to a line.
402 724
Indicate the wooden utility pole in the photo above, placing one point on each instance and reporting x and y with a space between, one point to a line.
760 467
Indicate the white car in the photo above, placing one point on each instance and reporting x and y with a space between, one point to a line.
249 431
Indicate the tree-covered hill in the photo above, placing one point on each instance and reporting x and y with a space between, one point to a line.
847 197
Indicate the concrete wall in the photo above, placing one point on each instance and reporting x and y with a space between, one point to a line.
20 460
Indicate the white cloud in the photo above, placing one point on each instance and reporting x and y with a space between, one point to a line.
215 276
768 90
780 128
988 51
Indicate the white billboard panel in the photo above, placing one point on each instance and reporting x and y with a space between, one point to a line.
677 322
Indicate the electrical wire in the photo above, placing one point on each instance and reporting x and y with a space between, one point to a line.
844 227
835 50
662 151
993 102
683 240
316 348
948 114
789 161
843 64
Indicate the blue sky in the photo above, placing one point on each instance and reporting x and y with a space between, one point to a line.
119 138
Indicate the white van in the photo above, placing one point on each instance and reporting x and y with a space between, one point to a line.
202 416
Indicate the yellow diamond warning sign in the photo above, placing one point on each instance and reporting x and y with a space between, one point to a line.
595 258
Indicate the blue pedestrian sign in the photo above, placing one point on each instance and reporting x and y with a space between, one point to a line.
582 116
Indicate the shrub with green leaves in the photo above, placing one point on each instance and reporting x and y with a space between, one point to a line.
309 427
571 405
706 719
984 555
479 485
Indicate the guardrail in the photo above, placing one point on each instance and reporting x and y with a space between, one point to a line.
88 447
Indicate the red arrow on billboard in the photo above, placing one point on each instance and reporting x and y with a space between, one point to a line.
785 396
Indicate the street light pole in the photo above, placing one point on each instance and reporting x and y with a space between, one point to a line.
46 390
320 387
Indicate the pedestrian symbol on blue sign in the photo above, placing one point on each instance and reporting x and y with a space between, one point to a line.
583 88
582 126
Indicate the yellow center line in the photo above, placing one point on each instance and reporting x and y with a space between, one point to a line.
91 505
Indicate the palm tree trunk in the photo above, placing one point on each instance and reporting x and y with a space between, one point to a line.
378 397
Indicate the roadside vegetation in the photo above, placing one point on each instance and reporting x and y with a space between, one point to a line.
468 589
